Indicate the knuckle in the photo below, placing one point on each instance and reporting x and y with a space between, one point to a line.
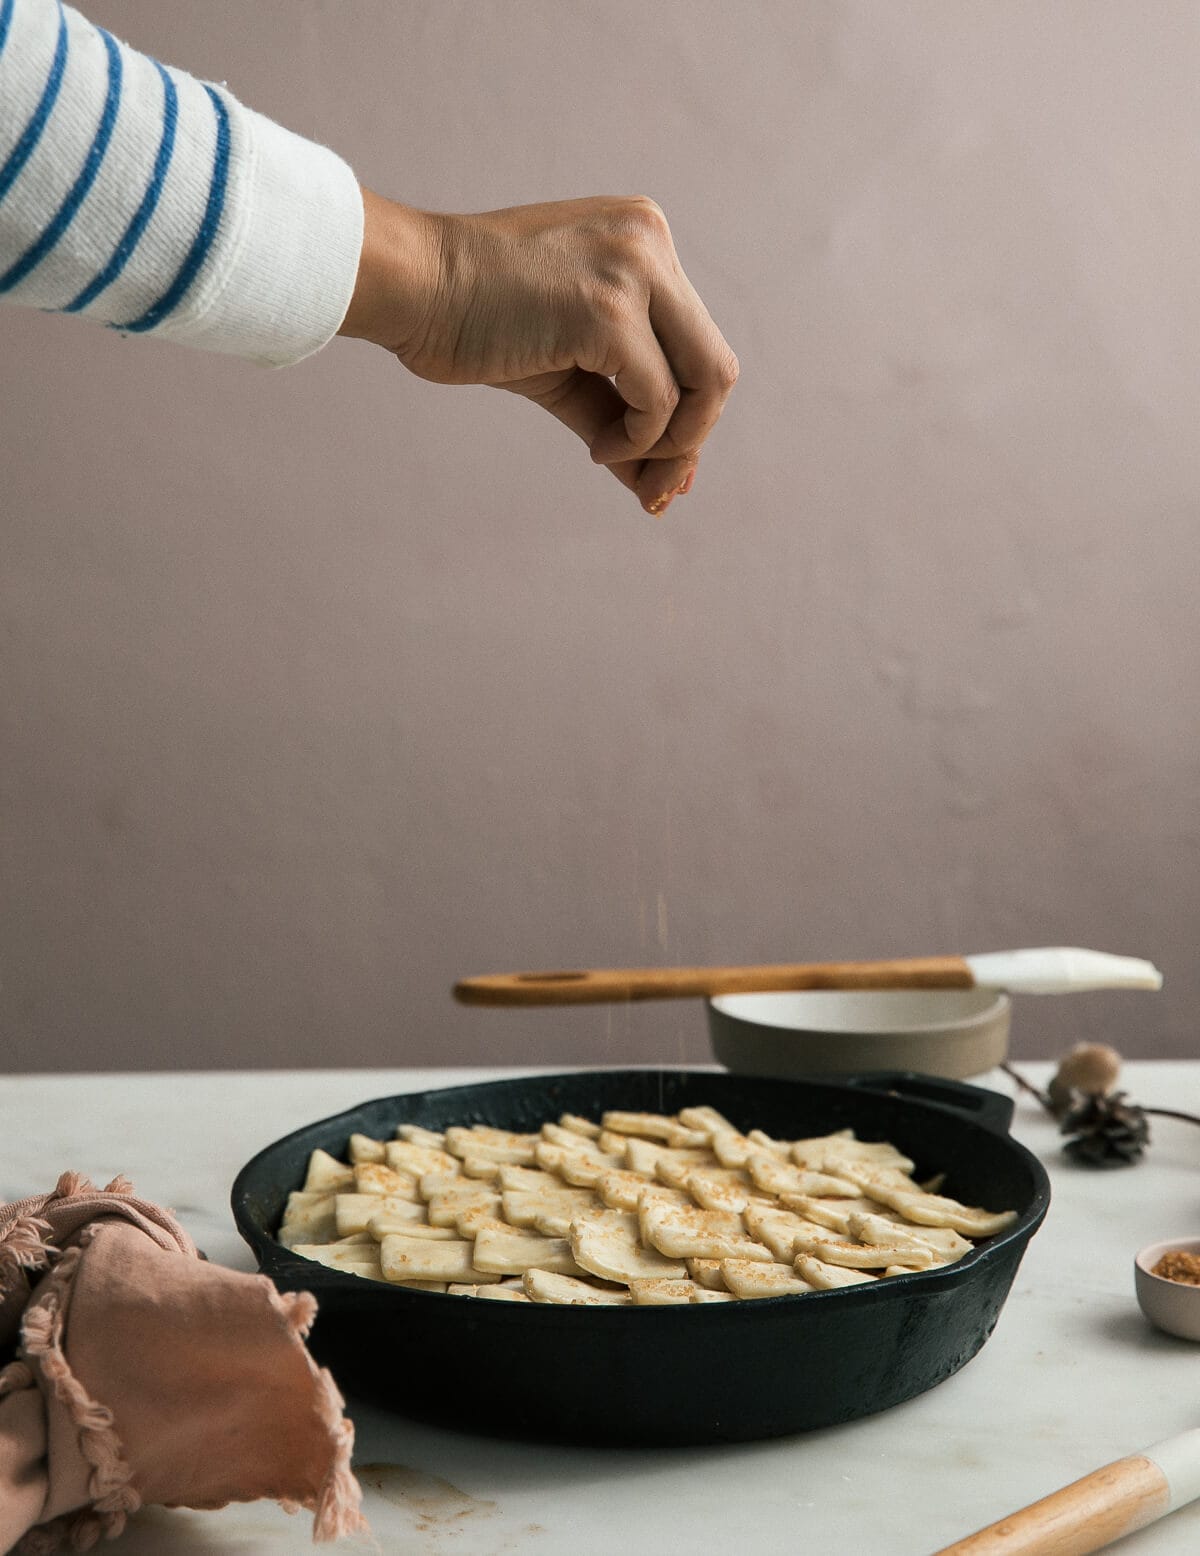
641 222
727 370
649 211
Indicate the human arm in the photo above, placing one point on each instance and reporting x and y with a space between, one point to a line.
139 197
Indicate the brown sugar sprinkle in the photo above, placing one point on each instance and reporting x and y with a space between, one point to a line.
1179 1266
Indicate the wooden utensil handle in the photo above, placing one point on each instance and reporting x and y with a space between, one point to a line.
603 985
1084 1516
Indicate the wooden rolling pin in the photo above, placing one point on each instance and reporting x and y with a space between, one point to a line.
1102 1507
1047 970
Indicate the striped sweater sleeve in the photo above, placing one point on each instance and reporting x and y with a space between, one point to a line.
154 203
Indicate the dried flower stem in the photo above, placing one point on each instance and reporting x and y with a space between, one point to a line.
1187 1118
1024 1085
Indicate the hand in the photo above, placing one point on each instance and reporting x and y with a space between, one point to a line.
580 305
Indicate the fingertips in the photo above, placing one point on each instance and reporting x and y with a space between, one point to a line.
662 481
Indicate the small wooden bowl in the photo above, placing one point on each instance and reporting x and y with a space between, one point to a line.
1172 1305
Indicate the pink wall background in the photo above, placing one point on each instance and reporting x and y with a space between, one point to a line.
321 688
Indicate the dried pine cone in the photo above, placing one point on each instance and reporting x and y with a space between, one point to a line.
1104 1131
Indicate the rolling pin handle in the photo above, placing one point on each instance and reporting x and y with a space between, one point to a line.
1104 1506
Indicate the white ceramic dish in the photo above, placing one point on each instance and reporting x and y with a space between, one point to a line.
951 1032
1172 1305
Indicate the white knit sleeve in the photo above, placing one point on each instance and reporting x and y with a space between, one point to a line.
137 196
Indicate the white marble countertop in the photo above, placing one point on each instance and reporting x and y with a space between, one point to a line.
1072 1378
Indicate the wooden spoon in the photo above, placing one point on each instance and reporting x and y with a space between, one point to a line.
1049 970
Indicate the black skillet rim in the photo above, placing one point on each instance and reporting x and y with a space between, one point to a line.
294 1271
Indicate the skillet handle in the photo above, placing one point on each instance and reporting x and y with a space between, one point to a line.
992 1109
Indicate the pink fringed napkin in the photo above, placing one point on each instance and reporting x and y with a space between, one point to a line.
136 1372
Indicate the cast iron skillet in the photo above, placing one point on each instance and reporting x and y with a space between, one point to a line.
723 1372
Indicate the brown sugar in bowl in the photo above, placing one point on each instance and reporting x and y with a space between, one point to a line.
1171 1305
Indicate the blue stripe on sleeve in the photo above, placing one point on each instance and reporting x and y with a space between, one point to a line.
140 219
6 16
32 133
207 232
63 217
